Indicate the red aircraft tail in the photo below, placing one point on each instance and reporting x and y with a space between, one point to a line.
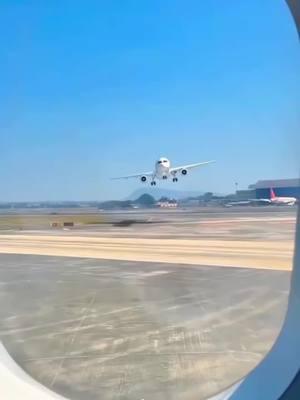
273 195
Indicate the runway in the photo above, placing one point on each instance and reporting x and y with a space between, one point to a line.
248 238
169 305
101 329
260 254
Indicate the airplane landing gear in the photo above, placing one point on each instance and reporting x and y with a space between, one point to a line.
153 183
175 179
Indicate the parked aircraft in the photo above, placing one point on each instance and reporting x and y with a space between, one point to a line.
278 200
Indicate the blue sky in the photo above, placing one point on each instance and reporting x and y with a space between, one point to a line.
96 89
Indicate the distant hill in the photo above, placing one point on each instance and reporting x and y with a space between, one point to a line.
157 193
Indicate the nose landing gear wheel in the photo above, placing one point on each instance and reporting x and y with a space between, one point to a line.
153 183
175 179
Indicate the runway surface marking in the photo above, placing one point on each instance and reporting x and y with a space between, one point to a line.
262 254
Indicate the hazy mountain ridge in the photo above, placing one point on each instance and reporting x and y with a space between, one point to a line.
157 193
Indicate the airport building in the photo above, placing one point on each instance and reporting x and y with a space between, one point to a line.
241 195
167 204
281 187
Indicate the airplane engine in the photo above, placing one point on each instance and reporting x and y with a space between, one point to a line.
184 172
143 179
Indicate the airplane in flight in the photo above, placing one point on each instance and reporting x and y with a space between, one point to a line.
163 171
278 200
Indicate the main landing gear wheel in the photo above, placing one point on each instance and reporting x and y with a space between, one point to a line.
153 183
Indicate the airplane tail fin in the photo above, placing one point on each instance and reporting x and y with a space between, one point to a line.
273 195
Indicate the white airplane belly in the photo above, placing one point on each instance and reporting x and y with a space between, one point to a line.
284 200
162 171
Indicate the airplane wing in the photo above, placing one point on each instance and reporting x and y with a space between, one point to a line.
190 166
147 174
260 201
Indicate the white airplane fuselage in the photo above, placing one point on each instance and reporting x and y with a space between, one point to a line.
162 169
288 201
